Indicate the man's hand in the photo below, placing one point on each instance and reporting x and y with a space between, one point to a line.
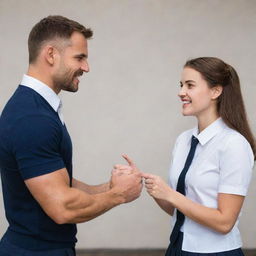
126 180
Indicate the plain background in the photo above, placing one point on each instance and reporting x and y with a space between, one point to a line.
128 102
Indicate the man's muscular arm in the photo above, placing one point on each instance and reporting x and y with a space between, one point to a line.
90 189
65 204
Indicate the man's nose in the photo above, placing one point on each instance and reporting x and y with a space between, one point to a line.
85 66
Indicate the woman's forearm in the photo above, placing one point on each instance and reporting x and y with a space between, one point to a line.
221 219
165 205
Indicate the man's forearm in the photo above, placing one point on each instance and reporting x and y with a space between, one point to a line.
65 204
80 207
90 189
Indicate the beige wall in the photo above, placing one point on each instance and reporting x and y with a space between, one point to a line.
128 102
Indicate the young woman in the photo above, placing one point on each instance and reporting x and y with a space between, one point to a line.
206 195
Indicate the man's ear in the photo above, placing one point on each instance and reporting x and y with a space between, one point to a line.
216 91
50 54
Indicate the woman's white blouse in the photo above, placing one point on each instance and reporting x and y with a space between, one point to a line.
222 163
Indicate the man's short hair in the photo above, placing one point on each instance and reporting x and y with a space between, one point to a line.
50 28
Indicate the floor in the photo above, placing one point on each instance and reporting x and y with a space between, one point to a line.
140 252
109 252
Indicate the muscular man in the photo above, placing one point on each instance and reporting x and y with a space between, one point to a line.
42 199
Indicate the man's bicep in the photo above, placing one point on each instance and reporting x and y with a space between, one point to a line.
49 190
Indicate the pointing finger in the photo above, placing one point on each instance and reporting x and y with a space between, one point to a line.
129 161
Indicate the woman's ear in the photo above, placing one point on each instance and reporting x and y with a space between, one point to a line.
216 91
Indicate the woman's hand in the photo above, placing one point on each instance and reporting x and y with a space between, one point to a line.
157 187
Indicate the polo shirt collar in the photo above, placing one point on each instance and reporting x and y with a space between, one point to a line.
45 91
209 132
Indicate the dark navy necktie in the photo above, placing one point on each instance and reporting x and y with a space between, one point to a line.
181 188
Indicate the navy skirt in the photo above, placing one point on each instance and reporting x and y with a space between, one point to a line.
236 252
9 249
176 250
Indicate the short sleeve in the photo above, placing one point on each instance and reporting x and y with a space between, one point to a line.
171 163
236 163
181 138
36 146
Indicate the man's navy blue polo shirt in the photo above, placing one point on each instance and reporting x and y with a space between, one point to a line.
33 142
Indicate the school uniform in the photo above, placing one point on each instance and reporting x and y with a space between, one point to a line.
222 163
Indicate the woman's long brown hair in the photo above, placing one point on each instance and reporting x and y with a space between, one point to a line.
230 103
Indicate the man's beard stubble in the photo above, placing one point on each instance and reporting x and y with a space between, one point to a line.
65 80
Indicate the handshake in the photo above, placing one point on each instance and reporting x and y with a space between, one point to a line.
127 181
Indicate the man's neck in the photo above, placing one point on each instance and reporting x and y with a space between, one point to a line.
42 76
